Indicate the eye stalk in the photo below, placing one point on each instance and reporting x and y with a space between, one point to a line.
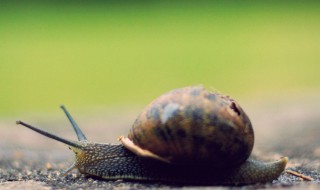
80 135
71 143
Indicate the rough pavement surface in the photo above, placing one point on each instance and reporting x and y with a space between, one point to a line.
30 161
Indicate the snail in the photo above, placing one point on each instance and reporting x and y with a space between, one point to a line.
188 135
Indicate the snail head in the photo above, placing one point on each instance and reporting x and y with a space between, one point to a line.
80 147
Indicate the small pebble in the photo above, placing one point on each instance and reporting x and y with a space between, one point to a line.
48 166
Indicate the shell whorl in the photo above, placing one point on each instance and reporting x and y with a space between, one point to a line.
194 126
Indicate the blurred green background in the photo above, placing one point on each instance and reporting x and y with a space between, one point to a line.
127 53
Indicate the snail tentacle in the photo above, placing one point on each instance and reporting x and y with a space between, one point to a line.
73 166
71 143
79 133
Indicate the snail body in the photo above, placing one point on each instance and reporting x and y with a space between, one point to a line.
188 135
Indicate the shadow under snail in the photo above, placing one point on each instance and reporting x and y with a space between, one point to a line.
188 135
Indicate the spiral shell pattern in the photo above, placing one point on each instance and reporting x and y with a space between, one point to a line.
192 125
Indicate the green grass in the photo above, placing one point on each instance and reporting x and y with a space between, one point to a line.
112 55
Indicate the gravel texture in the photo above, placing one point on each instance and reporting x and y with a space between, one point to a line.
29 161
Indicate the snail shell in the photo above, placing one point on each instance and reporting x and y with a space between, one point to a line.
192 125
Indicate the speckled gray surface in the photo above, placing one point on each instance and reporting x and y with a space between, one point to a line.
30 161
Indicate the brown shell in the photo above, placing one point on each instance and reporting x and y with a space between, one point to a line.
194 126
